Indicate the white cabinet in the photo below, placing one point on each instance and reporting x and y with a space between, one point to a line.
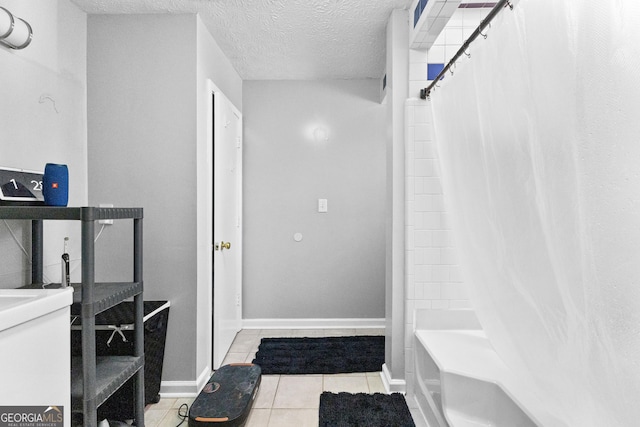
35 356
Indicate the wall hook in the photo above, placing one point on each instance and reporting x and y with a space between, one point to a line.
46 97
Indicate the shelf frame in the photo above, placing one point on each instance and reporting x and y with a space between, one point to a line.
101 376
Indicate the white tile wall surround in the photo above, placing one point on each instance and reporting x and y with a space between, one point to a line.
422 132
437 53
459 28
453 36
432 21
417 78
417 70
433 278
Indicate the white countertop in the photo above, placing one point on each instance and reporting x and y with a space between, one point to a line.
22 305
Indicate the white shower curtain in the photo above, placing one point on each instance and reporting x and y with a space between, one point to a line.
538 133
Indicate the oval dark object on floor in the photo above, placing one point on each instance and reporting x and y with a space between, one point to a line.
227 397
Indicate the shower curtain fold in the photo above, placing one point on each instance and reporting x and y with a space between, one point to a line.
537 135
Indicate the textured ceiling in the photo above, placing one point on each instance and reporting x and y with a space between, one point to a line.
285 39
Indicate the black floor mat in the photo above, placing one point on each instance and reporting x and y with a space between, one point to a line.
364 410
330 355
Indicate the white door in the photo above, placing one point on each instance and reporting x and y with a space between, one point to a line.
227 223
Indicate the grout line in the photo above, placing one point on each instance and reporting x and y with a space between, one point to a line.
275 394
270 413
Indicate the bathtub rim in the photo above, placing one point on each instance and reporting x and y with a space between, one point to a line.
496 374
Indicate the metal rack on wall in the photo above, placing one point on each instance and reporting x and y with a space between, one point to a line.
94 379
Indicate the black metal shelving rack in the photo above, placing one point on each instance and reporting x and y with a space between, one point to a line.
94 379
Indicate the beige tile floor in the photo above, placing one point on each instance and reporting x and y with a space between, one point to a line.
283 400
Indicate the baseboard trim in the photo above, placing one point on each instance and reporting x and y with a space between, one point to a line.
174 389
392 385
313 323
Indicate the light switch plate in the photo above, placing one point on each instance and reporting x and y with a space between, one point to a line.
322 205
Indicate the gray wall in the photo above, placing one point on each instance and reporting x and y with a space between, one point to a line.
42 120
146 120
338 269
141 119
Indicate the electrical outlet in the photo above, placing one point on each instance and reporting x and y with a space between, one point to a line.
238 300
323 207
106 221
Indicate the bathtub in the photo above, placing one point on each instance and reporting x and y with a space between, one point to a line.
460 381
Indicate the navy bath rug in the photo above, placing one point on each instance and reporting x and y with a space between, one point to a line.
330 355
361 409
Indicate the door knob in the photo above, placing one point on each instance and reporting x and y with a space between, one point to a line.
222 245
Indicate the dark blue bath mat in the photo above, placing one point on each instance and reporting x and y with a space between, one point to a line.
330 355
364 410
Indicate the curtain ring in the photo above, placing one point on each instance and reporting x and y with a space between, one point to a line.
481 26
485 35
468 55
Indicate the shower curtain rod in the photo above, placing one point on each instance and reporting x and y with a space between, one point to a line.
424 93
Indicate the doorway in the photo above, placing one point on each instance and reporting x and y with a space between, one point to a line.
226 306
